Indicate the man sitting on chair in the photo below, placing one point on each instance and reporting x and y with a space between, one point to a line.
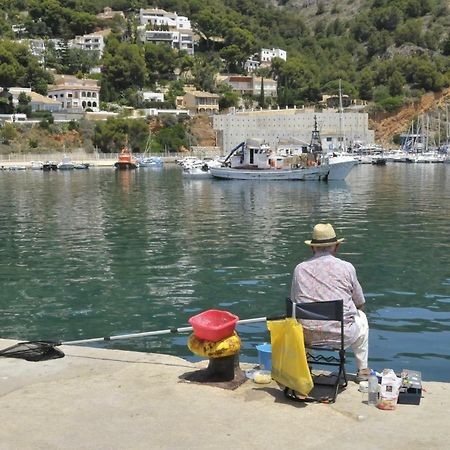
324 277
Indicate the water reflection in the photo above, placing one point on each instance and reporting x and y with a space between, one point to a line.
103 252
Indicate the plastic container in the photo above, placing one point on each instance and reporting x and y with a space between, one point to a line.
373 389
265 356
262 376
213 324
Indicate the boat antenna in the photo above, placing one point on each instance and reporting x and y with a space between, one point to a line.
316 143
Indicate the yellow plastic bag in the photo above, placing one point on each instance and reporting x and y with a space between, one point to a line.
289 364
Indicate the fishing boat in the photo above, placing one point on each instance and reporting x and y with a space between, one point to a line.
341 163
126 160
255 160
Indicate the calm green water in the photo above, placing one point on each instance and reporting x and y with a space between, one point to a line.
93 253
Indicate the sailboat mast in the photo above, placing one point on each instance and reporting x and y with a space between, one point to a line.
341 138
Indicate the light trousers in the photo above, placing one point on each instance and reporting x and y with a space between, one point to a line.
361 345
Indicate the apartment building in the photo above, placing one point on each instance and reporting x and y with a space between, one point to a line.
89 42
179 40
159 26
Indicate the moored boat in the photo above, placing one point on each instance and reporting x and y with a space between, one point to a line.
49 165
126 160
254 160
150 161
65 164
36 165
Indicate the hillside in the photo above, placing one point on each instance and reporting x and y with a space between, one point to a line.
387 126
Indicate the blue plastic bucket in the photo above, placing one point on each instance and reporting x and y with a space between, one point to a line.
265 356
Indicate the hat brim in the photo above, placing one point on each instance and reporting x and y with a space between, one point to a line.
324 244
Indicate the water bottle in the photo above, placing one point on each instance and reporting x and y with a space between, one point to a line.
373 389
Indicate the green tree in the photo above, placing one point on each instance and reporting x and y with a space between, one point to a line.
396 83
76 60
122 69
160 61
410 31
8 133
23 105
110 136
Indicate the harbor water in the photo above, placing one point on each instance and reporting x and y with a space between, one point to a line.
96 253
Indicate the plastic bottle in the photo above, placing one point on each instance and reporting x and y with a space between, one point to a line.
373 389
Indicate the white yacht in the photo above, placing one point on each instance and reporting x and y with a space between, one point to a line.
66 164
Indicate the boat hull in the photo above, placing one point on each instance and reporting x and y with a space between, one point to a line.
196 174
302 174
125 165
340 167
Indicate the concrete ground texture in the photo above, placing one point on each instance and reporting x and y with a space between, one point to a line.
110 399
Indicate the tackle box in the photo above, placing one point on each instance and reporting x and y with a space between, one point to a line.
411 389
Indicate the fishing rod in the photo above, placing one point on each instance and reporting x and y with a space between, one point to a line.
44 350
154 333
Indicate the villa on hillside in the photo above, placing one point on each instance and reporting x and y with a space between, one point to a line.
75 94
38 102
90 42
264 58
159 17
108 14
249 84
198 102
159 26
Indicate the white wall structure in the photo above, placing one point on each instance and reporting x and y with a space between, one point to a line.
274 125
267 54
160 17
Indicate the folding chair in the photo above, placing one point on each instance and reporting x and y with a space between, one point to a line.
329 311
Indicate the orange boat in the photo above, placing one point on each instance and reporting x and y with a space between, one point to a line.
126 160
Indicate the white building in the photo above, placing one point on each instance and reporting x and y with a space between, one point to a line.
268 54
38 102
159 17
251 65
153 96
75 94
275 125
180 40
90 42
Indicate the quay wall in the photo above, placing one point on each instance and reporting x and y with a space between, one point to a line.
97 159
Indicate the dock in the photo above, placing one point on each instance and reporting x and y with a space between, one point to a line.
112 399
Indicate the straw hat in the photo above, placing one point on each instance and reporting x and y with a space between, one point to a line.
323 236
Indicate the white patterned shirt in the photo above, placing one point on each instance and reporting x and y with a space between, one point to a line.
323 278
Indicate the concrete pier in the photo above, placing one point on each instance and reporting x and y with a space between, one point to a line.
109 399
